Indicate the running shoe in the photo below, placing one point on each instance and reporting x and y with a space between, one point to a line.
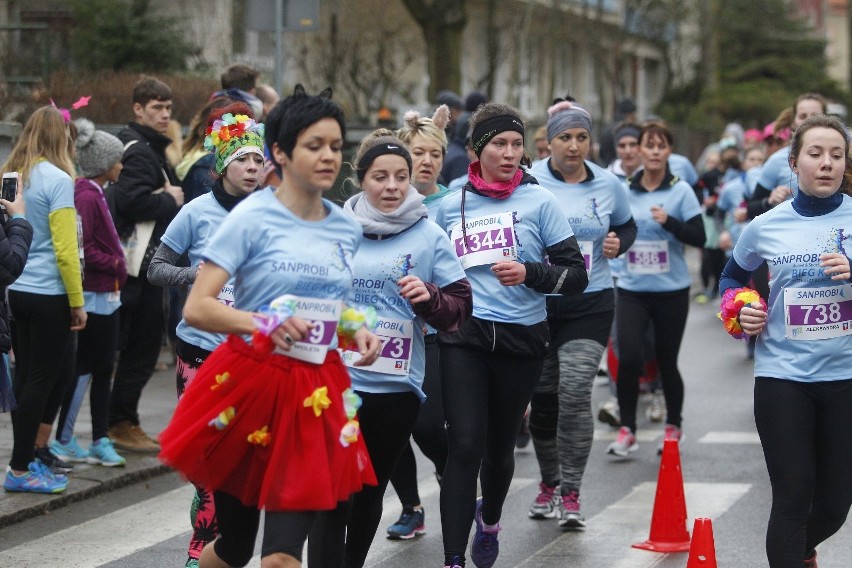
811 561
701 298
523 439
411 523
102 452
608 413
37 479
53 463
625 443
71 452
656 410
485 547
544 506
670 433
456 562
191 563
569 512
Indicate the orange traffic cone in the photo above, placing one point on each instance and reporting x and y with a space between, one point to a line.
668 523
702 551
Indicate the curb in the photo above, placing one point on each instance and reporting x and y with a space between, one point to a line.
19 507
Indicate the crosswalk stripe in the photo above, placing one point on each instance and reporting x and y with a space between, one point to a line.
609 435
608 540
94 542
730 438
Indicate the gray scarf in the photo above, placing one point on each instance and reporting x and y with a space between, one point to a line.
374 222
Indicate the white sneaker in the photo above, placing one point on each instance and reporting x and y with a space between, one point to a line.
624 445
608 413
545 504
656 410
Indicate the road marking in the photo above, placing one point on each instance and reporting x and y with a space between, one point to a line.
628 521
95 542
730 438
609 435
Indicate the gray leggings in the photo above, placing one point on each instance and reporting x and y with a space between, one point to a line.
561 421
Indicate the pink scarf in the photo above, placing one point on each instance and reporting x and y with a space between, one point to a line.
497 189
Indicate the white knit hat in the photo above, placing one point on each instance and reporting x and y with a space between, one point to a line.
97 151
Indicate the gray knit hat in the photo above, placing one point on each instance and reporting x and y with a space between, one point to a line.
97 151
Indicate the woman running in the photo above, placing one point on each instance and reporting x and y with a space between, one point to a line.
595 203
276 430
654 287
408 271
803 388
425 139
502 224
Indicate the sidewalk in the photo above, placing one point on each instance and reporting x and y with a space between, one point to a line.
158 403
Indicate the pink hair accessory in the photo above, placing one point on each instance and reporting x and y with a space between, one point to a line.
560 106
66 114
441 117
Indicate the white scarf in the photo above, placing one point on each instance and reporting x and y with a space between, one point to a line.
374 222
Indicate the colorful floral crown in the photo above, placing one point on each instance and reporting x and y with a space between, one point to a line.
232 136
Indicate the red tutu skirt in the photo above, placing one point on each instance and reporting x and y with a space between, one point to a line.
270 430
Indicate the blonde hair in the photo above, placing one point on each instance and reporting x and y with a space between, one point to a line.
45 136
430 128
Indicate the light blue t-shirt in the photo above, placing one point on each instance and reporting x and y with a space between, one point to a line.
47 189
101 303
791 244
591 207
538 223
424 250
655 262
270 252
683 168
776 171
188 233
457 183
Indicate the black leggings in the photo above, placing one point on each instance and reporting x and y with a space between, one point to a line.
667 311
712 263
430 432
44 366
97 346
485 396
804 429
283 532
386 423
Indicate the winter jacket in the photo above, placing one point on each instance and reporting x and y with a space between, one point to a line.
16 236
105 266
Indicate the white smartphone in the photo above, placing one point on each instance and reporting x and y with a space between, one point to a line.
9 189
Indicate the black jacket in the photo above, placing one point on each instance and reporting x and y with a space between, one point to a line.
16 236
131 198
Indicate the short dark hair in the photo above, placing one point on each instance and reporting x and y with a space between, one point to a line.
240 76
294 114
149 89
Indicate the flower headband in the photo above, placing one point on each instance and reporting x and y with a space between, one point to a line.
232 136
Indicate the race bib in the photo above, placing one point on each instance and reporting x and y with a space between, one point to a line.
395 356
226 295
324 315
818 313
587 248
490 239
648 257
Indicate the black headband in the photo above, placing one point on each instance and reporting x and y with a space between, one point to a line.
491 127
380 150
628 130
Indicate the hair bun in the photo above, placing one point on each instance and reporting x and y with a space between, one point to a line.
411 118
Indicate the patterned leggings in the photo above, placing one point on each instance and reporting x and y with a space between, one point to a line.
202 513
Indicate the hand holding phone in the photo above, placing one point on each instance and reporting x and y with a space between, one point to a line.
9 194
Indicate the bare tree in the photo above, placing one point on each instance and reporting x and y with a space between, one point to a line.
442 23
367 66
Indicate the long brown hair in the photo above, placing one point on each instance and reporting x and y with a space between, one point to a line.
45 136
